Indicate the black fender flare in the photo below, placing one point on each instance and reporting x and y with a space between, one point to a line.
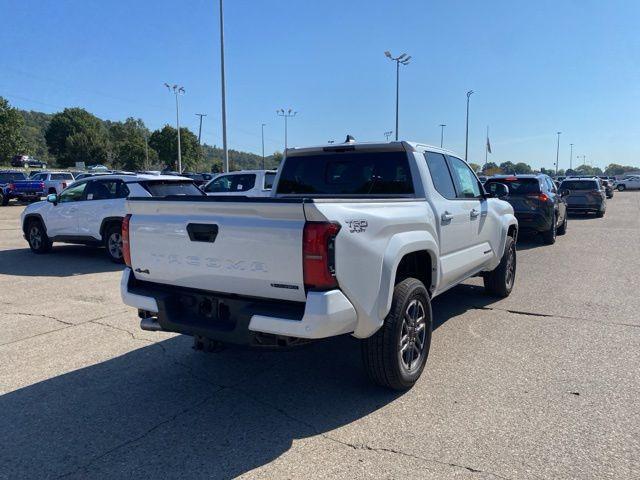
108 221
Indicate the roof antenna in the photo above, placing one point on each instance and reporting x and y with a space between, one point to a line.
350 139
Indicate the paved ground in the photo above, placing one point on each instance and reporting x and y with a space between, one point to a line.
544 384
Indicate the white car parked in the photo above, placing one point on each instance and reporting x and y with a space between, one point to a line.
246 183
54 182
90 211
632 182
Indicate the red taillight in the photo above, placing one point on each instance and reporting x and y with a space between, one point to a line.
42 185
539 196
64 185
318 255
126 249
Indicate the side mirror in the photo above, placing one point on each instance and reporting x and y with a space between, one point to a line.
499 190
564 192
52 198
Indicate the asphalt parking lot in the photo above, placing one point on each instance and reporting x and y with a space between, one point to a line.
543 384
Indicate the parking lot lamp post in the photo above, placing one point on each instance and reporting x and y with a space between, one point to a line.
442 125
286 114
263 145
404 60
466 140
571 157
557 152
177 90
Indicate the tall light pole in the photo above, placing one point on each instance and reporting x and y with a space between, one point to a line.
442 125
404 60
387 134
466 138
263 145
224 96
177 90
200 134
286 114
571 157
557 152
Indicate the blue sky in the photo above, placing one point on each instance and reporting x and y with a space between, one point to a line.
536 67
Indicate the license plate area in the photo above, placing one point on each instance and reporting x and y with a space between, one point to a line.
201 311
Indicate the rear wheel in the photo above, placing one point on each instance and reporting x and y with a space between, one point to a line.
621 188
499 282
600 213
396 354
37 237
4 199
549 237
563 228
113 243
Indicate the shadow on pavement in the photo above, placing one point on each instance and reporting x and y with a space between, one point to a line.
62 261
165 410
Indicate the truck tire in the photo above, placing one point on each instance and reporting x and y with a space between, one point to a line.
600 213
37 237
499 282
563 228
113 242
621 188
4 199
549 237
396 354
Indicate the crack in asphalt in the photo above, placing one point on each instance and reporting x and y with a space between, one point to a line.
550 315
143 435
361 446
37 315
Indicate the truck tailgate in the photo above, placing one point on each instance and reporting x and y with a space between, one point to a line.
245 247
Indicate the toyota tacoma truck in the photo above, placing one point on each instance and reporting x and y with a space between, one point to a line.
356 238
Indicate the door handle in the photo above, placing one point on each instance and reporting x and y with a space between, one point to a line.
474 213
446 217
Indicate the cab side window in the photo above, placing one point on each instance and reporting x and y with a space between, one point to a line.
466 182
440 174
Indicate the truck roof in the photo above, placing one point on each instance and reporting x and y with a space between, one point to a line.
400 145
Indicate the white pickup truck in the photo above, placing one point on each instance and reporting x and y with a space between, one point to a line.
356 239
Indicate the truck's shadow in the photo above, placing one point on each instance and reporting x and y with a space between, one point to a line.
62 261
164 410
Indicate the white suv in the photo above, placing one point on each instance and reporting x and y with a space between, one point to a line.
246 183
90 211
632 182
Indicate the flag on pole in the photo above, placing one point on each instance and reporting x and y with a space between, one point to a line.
488 145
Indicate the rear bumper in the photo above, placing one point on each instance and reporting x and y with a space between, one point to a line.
533 221
237 319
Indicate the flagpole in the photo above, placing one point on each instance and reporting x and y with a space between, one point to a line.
486 148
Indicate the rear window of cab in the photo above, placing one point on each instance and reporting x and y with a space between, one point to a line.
346 173
516 186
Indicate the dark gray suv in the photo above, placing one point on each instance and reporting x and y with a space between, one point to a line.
584 195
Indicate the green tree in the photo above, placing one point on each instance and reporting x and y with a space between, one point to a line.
475 167
35 124
522 167
75 135
11 142
128 145
616 169
588 170
508 167
165 142
490 166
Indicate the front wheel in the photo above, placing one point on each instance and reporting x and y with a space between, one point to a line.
4 199
37 237
113 243
621 188
499 281
396 354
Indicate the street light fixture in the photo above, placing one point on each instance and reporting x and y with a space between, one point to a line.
404 60
442 125
224 95
387 134
263 125
466 139
286 114
177 90
571 157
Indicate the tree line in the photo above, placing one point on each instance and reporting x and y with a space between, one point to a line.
75 135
